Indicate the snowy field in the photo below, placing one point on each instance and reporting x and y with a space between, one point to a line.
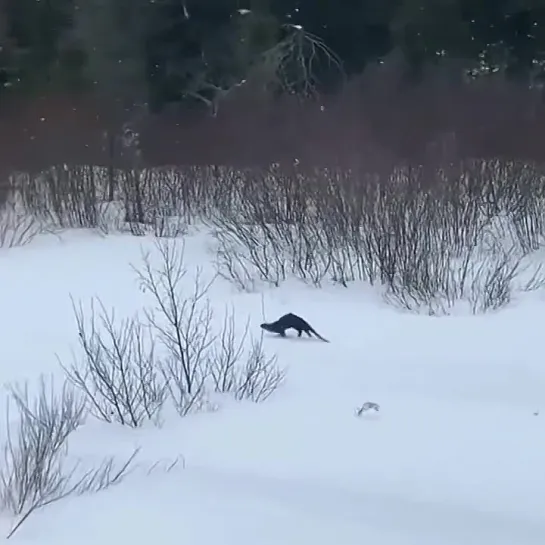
454 456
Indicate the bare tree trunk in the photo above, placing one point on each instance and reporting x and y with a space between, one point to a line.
111 149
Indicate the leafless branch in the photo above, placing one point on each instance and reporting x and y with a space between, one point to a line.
182 322
17 225
260 377
35 471
118 370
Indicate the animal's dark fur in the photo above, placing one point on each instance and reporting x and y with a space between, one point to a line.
291 321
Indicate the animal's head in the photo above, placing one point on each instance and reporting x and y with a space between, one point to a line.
266 327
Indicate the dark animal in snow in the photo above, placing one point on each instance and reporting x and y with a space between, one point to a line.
291 321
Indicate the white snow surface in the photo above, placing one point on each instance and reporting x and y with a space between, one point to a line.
455 456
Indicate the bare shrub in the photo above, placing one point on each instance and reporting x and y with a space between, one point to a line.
17 225
133 181
260 377
265 239
224 189
346 216
111 217
118 371
484 276
492 284
419 231
126 378
182 323
43 428
535 280
35 471
83 196
249 251
464 250
232 264
155 202
244 373
225 354
525 207
184 193
290 219
65 196
195 353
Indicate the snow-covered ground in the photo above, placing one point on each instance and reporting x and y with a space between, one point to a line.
455 456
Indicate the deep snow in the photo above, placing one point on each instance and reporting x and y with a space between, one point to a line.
455 456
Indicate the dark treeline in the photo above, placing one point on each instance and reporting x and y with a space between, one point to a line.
123 62
167 51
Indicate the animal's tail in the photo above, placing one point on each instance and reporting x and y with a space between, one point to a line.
318 335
